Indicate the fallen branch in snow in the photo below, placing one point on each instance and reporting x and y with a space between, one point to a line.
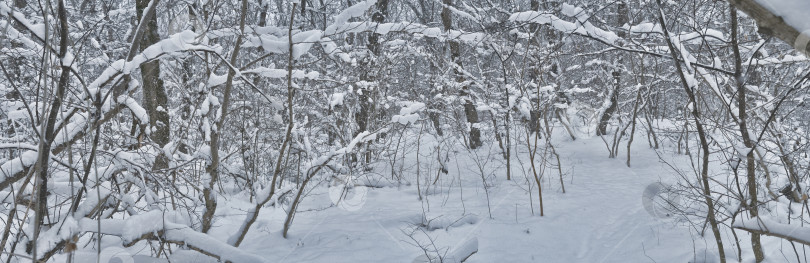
769 228
156 225
205 244
459 254
464 251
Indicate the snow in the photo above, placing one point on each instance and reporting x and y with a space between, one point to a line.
458 255
580 27
304 41
405 119
353 11
360 138
17 115
574 11
336 99
274 41
332 49
94 194
136 108
793 12
51 237
67 61
76 125
207 243
709 33
690 80
399 210
152 221
408 113
12 33
275 73
458 12
135 227
776 228
204 152
413 28
18 145
17 165
121 12
37 29
773 60
216 80
183 41
643 28
599 219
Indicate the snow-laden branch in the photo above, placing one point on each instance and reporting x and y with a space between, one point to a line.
16 166
303 41
409 112
580 27
15 169
275 73
784 19
180 42
414 28
767 227
136 108
148 13
37 30
356 10
584 28
170 227
273 40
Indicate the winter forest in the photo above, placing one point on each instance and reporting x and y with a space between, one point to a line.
404 131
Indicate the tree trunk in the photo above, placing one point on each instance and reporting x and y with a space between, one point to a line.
534 112
155 100
622 18
209 195
43 160
704 143
613 105
470 112
750 168
364 116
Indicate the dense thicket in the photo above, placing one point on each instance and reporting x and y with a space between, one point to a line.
115 112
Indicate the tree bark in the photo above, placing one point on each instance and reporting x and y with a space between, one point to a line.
455 53
773 25
704 142
622 18
613 105
750 167
43 159
209 196
155 100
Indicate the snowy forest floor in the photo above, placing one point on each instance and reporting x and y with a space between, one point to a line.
600 217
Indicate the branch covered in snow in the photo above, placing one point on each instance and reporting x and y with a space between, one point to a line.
784 19
164 226
770 228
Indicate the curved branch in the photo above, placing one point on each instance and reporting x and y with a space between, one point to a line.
770 23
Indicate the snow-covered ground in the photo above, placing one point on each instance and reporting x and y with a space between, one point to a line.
600 218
